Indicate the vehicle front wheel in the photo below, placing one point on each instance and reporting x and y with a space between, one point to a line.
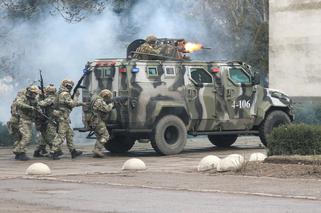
120 144
222 140
169 136
273 119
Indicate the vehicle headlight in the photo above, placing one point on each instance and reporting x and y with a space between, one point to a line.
281 96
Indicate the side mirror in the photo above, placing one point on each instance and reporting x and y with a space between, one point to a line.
256 78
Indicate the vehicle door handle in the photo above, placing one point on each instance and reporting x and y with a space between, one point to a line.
192 93
229 93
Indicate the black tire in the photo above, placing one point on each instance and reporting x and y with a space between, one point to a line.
120 144
274 119
222 140
169 136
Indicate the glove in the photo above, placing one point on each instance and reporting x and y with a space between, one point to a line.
38 109
77 94
31 108
83 103
110 106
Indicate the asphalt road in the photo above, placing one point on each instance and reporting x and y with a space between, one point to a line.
170 184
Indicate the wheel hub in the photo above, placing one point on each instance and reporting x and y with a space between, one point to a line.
171 134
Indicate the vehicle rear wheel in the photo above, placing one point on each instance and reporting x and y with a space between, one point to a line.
120 144
273 119
222 140
169 135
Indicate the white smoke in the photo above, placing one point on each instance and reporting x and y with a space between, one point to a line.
58 48
61 49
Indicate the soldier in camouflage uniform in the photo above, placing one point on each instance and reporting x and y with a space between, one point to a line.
149 47
27 109
99 109
49 128
63 109
13 123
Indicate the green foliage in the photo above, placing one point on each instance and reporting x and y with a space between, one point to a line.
295 139
308 113
5 139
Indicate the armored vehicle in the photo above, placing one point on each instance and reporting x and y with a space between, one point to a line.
167 99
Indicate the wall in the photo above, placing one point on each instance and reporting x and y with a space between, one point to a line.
295 47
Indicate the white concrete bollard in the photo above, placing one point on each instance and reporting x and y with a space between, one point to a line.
134 164
38 169
257 156
231 163
207 163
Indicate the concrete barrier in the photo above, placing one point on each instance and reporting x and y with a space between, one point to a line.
38 169
134 164
208 163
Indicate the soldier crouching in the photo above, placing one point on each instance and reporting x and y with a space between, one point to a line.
27 108
99 108
65 104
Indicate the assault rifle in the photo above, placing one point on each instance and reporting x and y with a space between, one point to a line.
41 87
86 71
119 100
46 117
42 112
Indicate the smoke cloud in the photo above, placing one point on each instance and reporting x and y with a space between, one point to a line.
61 49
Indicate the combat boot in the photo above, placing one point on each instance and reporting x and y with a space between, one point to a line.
22 156
60 153
98 153
37 154
75 153
55 156
40 152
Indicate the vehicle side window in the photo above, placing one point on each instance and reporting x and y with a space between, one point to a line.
105 72
170 71
237 75
199 75
152 71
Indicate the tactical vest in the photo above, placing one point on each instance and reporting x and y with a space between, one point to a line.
94 116
27 114
63 107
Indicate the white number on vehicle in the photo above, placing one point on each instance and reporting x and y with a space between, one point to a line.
243 104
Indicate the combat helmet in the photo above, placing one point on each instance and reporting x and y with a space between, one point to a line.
105 93
67 83
32 91
151 39
51 89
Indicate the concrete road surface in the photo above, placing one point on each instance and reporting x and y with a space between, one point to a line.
170 184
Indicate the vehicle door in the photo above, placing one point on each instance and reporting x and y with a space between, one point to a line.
239 97
200 97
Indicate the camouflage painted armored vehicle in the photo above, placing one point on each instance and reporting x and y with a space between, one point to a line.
168 99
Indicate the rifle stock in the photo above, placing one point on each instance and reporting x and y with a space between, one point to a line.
78 85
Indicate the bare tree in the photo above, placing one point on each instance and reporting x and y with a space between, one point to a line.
70 10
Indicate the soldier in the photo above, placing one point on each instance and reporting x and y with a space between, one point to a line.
63 109
26 107
47 128
149 47
99 109
13 123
